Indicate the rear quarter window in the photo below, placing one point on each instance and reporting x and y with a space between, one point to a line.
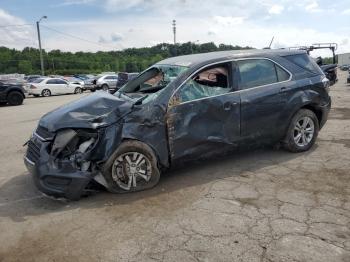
305 62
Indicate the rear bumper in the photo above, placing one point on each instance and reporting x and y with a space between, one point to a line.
325 111
89 87
34 92
61 179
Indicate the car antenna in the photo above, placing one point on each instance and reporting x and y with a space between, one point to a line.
271 42
269 47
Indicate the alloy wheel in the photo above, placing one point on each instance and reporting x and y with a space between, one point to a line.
304 130
131 170
46 92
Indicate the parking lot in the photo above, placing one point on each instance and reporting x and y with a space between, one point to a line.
260 205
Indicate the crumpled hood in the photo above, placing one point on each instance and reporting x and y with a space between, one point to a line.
93 111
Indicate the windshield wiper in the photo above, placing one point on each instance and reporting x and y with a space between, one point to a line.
139 101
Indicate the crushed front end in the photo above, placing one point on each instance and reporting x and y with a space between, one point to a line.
61 162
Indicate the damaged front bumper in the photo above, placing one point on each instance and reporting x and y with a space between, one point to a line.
52 176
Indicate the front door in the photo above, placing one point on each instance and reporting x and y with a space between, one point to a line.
63 86
203 116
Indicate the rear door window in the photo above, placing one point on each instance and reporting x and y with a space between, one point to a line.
259 72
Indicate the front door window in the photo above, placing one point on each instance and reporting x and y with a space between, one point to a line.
207 83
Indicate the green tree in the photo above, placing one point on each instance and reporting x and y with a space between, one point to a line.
130 60
25 67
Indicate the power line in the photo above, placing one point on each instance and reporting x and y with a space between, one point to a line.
76 37
1 26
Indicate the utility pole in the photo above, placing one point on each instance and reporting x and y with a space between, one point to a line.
53 66
174 31
39 40
194 44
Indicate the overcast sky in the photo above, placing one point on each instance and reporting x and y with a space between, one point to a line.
117 24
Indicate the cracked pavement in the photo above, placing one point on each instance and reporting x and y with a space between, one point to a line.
262 205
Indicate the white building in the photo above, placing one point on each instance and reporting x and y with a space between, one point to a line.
344 59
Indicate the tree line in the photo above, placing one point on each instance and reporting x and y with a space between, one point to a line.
27 61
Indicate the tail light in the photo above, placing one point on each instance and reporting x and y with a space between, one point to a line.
32 87
326 84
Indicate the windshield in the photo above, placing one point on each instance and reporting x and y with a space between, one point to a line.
151 82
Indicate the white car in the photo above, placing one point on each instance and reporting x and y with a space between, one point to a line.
52 86
74 80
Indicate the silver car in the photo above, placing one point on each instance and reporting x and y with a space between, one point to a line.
107 82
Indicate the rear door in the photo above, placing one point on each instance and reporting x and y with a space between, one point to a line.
111 81
262 83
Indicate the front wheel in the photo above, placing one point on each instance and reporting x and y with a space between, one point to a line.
133 167
78 90
302 131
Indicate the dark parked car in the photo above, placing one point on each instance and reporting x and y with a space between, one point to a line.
344 67
11 93
123 78
180 109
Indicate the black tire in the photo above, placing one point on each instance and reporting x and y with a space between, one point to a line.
78 90
124 149
290 142
46 93
105 88
15 98
92 90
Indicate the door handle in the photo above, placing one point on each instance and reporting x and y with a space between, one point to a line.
283 89
229 105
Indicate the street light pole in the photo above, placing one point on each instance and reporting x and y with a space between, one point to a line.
39 40
191 45
174 31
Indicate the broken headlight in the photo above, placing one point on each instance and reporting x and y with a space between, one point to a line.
74 145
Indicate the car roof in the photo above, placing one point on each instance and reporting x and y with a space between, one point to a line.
196 59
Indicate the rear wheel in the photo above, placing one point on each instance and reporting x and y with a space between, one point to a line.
15 98
302 131
46 92
105 88
133 167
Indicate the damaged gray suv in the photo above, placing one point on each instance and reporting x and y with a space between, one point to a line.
182 108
